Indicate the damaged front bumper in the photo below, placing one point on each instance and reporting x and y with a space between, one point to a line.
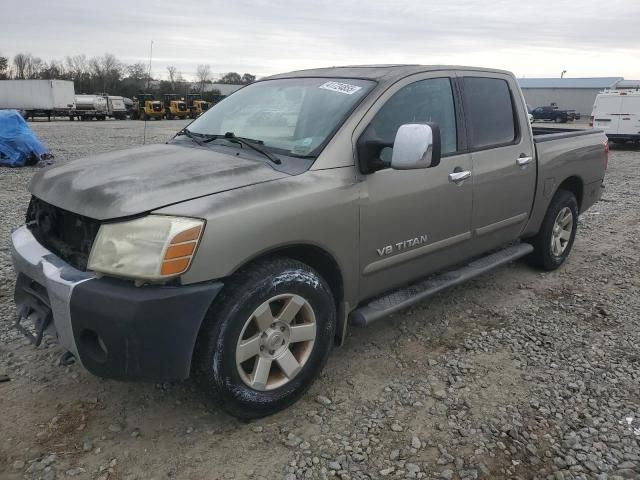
115 329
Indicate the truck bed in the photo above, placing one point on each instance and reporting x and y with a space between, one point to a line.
564 153
547 134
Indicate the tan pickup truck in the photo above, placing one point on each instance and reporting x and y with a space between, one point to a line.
240 251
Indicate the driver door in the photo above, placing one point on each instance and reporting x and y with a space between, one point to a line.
413 222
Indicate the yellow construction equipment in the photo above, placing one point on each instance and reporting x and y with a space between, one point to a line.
174 107
145 107
196 105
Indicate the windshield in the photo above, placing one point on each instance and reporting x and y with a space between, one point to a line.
293 116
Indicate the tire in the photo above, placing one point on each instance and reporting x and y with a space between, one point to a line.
545 256
278 282
558 119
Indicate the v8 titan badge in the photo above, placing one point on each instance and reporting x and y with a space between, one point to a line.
404 245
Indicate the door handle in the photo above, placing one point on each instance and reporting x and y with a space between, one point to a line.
522 161
457 177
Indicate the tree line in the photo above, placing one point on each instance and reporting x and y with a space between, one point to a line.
108 74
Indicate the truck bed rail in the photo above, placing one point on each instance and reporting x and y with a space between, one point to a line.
547 134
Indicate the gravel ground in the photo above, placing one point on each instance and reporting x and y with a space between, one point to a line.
517 374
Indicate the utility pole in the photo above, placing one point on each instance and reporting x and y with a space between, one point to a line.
150 57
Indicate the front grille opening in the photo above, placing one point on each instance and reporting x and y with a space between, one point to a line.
69 235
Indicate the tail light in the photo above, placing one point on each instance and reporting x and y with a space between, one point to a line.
606 154
591 121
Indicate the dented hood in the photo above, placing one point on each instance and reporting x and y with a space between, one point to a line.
138 180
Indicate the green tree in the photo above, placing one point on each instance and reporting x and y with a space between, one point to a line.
137 71
248 78
232 78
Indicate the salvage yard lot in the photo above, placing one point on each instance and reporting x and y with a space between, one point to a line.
517 374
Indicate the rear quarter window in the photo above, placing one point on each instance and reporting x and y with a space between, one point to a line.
490 113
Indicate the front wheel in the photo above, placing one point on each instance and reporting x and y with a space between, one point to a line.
553 242
558 119
266 338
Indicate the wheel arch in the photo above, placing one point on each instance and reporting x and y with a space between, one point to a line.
572 183
575 185
321 260
312 255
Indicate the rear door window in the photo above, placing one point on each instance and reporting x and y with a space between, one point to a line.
490 113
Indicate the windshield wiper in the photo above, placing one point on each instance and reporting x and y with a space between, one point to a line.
230 136
188 133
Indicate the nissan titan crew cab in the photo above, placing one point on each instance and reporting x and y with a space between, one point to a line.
239 252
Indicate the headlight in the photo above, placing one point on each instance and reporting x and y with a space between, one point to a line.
149 248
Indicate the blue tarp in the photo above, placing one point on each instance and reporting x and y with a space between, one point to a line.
18 145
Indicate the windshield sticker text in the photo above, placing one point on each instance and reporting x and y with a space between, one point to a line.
340 87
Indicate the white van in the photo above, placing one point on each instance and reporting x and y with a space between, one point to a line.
617 112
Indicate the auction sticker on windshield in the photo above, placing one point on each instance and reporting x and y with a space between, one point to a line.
340 87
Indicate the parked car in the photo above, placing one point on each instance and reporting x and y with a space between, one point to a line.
552 114
254 245
617 112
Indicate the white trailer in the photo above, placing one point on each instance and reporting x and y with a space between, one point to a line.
38 98
617 112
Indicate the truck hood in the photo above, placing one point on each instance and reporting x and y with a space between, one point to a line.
138 180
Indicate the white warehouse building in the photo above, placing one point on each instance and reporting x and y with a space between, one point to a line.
567 93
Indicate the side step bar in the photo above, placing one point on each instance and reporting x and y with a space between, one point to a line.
409 295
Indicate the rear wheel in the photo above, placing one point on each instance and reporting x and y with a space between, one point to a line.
553 242
266 338
558 119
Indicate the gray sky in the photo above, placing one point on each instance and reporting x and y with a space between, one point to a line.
529 37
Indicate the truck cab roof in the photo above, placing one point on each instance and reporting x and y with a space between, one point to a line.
379 73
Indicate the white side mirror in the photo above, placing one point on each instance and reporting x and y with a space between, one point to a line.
417 145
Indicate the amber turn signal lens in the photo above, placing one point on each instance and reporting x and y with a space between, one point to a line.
172 267
180 250
178 255
187 236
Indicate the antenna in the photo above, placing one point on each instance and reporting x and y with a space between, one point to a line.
144 132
